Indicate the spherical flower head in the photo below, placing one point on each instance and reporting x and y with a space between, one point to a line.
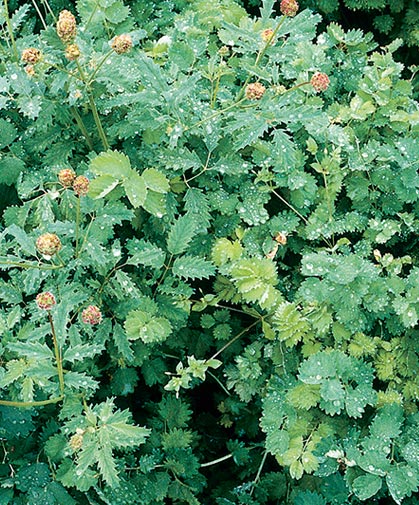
48 244
30 70
67 177
76 441
266 35
320 82
45 301
81 185
289 8
224 51
66 26
255 91
72 52
91 315
122 43
31 55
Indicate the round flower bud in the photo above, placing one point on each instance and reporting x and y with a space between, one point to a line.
289 7
30 70
31 55
81 185
66 26
320 82
76 441
45 301
122 43
66 176
224 51
72 52
266 35
255 91
281 238
48 244
91 315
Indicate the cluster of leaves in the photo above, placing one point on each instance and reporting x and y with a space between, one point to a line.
242 251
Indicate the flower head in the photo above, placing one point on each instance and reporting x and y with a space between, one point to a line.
31 55
66 176
81 185
122 43
45 301
91 315
72 52
266 35
30 70
255 91
320 81
48 244
66 26
289 7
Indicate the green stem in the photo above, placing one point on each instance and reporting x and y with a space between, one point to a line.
41 17
260 55
234 339
216 461
57 353
10 403
82 127
235 104
10 30
91 77
98 122
30 265
93 108
262 463
76 250
48 8
217 380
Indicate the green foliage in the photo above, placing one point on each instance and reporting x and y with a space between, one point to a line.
254 335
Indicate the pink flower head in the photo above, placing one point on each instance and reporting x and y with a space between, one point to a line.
48 244
45 301
289 8
91 315
81 185
320 81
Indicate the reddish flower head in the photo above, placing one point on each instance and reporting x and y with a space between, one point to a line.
81 185
48 244
320 81
255 91
45 301
122 43
91 315
289 7
66 176
66 26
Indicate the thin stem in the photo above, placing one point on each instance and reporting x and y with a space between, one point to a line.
57 353
226 391
41 17
86 235
82 127
290 206
262 463
234 339
216 461
30 265
48 8
10 29
235 104
10 403
98 122
93 108
91 77
76 250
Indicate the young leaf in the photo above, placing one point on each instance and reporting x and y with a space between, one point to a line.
192 267
180 235
135 189
111 163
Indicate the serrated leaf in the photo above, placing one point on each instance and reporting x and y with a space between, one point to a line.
366 486
309 498
180 235
155 203
107 466
102 185
112 163
192 267
34 350
8 133
135 189
81 351
126 435
26 242
402 481
145 253
155 180
147 327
